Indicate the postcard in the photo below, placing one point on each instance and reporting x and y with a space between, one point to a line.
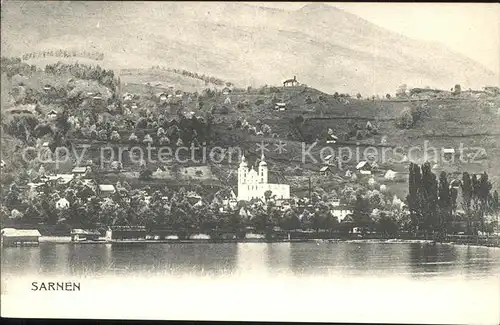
260 161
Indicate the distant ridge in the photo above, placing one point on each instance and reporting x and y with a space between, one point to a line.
326 47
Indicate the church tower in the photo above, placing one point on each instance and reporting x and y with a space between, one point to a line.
242 178
262 170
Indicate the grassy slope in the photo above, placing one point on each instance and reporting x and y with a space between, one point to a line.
447 127
325 47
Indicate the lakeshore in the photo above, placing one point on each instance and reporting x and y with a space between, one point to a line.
493 242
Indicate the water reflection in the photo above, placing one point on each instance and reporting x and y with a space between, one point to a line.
253 259
279 257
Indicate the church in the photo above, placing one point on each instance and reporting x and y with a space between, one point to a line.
252 184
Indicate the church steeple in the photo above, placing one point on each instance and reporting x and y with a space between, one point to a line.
262 170
243 162
262 160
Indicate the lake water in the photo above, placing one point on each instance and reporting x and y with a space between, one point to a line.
376 282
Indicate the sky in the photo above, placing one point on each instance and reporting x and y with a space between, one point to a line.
472 29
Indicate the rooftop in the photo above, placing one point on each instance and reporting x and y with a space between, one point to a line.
107 188
362 164
79 170
11 232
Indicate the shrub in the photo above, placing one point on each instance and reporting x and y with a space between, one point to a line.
224 110
115 136
266 129
259 102
405 119
141 123
344 136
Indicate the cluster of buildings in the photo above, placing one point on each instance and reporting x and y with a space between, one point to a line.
253 184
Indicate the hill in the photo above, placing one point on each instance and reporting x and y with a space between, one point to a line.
327 48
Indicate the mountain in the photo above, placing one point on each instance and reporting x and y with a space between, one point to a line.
325 47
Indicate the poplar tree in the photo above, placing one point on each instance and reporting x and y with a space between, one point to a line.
467 192
428 193
445 202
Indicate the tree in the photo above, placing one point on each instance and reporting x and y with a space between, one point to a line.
457 89
268 194
388 96
115 136
429 197
413 198
445 203
358 96
405 119
361 209
467 192
482 194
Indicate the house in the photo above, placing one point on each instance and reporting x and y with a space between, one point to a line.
15 237
61 179
106 189
325 171
127 97
52 115
231 203
348 173
390 175
226 91
126 232
334 202
448 153
193 197
227 101
2 164
331 138
81 171
340 212
280 106
62 204
83 235
364 167
330 160
163 97
48 87
35 187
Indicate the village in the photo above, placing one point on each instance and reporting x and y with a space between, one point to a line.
84 196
